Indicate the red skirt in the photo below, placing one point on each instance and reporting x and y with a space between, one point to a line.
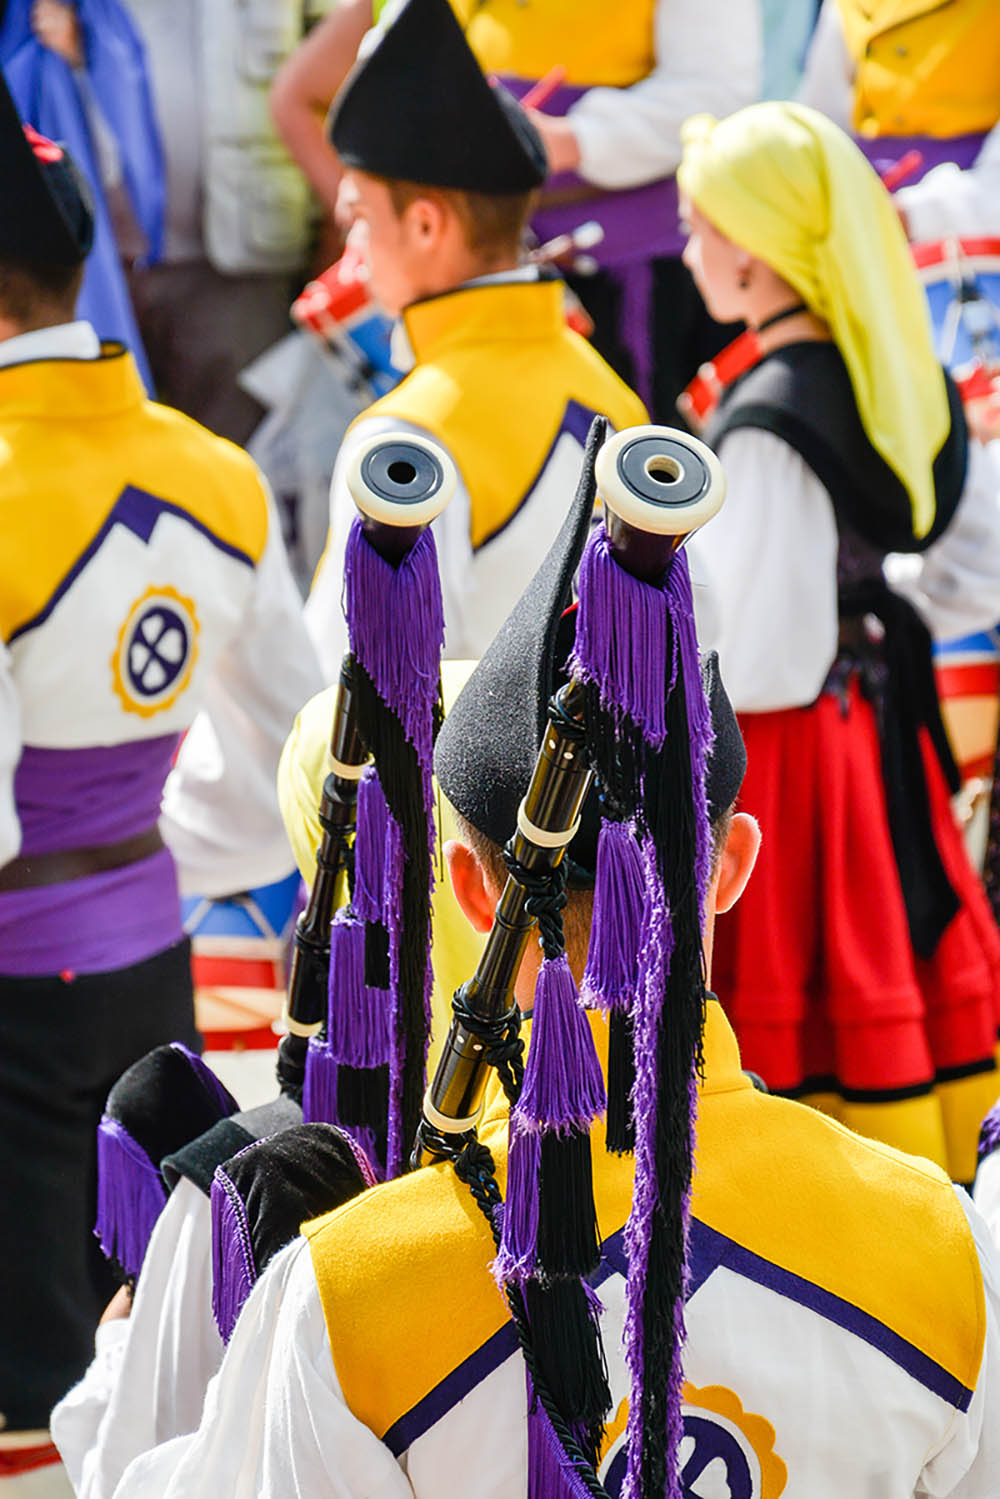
814 963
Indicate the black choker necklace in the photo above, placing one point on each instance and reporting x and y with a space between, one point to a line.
779 317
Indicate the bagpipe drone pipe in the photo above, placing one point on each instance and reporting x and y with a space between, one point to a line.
632 719
169 1107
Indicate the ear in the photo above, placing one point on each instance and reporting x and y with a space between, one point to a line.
737 860
468 881
425 220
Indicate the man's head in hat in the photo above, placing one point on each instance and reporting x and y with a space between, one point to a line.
486 751
441 168
46 226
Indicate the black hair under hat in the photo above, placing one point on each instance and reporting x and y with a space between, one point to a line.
417 106
47 216
486 750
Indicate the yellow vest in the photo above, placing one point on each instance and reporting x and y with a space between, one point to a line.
923 67
597 44
882 1231
496 370
75 433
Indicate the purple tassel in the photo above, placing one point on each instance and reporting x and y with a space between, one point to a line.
396 622
395 858
319 1090
621 638
989 1133
611 975
563 1092
699 716
130 1196
563 1085
368 897
551 1475
233 1270
357 1027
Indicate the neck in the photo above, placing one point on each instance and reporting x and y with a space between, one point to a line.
797 327
14 327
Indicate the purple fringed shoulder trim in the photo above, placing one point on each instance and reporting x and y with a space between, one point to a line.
233 1270
989 1133
214 1086
130 1196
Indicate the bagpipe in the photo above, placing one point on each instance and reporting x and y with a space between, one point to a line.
632 719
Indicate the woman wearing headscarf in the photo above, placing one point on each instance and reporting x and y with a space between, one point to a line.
863 970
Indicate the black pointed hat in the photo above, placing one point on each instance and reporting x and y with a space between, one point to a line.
486 749
47 216
417 106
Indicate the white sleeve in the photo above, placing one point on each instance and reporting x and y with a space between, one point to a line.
275 1424
967 1465
828 78
952 201
10 754
986 1193
220 805
324 611
765 576
149 1385
707 58
955 584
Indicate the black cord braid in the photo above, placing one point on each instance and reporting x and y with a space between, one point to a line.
501 1038
474 1166
546 899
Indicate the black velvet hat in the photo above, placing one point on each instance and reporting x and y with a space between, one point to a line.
486 749
417 106
47 216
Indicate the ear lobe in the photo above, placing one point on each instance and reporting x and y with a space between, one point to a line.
737 860
469 885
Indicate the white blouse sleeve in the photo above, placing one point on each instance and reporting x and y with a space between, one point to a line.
955 584
708 58
275 1424
765 576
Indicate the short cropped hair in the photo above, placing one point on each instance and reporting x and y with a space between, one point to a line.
33 295
494 223
579 912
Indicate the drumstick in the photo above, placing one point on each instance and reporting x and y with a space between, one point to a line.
541 92
897 174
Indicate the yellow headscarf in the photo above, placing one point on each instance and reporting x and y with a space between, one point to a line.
785 183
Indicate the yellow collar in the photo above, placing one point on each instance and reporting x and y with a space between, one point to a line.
516 310
72 389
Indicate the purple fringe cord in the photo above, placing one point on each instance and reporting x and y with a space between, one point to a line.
358 1026
563 1089
989 1133
611 976
233 1270
550 1473
396 621
370 884
130 1196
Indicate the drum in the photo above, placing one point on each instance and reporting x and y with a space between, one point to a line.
238 960
339 309
968 678
961 279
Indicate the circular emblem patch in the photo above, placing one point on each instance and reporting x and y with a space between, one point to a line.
725 1452
156 651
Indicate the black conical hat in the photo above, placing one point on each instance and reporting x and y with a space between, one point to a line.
46 217
417 106
486 750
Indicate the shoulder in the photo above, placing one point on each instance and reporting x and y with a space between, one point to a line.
877 1232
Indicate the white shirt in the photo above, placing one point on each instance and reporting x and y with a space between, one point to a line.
765 571
276 1426
147 1381
708 58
